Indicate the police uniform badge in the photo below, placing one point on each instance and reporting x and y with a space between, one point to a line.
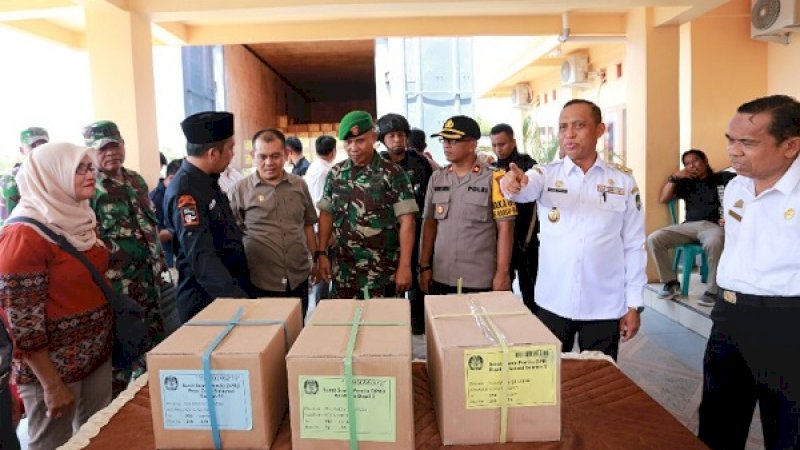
448 124
501 207
354 130
789 214
187 206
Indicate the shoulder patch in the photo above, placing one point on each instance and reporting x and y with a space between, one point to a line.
190 216
621 168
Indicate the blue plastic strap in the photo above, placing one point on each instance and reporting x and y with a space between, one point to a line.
212 407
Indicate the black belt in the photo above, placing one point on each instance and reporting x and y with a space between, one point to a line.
762 301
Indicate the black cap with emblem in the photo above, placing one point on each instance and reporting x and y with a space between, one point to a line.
460 127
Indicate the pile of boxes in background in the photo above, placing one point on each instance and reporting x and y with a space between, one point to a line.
346 378
308 133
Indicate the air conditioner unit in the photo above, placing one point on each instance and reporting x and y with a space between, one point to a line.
575 70
521 96
770 18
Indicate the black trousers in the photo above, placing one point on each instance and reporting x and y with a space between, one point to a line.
600 335
525 262
445 289
8 435
752 355
300 291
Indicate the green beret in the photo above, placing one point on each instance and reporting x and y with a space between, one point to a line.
355 123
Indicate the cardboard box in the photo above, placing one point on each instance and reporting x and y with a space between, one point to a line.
312 127
248 367
327 127
299 128
465 367
381 367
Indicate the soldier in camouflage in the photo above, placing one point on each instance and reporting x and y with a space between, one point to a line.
29 139
369 205
128 226
393 131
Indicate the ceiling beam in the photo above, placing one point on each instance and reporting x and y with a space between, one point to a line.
580 24
33 9
49 31
677 15
170 33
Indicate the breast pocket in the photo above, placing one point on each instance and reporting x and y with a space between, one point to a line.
476 207
441 204
612 203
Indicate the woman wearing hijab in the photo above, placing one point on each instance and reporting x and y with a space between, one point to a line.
58 318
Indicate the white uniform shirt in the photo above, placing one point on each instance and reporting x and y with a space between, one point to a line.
762 237
592 259
315 178
228 179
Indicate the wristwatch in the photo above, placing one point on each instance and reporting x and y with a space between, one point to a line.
638 309
319 253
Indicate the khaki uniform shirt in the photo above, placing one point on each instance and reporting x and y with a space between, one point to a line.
466 210
273 220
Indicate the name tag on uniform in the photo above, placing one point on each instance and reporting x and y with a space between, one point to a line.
441 188
557 189
616 190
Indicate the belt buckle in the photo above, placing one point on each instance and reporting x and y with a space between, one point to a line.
729 297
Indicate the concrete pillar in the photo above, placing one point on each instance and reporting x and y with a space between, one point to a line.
651 69
721 68
119 44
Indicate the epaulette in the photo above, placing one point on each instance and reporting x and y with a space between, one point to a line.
538 169
621 168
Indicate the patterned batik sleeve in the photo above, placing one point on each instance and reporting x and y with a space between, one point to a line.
406 203
24 287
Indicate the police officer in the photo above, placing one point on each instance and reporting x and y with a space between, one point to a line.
210 255
754 343
592 231
525 257
393 131
368 203
467 221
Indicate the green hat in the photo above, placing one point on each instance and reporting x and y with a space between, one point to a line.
101 133
355 123
30 136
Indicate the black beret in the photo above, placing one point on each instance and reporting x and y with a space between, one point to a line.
208 126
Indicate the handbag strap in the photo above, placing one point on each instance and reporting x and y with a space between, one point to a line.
110 294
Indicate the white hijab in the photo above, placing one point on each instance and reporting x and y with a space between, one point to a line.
46 183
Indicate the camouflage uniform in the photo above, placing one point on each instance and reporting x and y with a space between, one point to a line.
127 224
9 192
365 203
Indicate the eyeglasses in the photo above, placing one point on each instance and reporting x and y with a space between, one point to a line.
82 169
451 141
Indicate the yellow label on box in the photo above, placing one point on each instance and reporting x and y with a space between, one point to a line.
532 376
323 408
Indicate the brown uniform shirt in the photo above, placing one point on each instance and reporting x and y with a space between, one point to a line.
273 220
466 210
